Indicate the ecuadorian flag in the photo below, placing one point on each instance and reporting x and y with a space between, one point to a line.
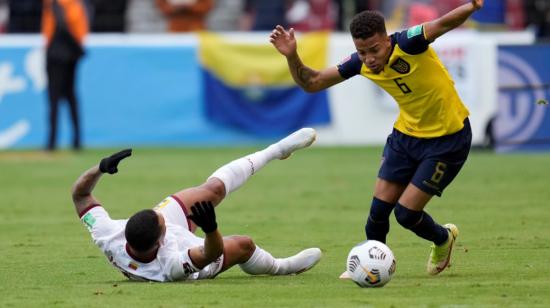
249 87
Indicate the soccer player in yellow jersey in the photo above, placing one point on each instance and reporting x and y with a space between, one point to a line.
431 137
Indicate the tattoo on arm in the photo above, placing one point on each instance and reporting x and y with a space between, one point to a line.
305 75
302 75
82 188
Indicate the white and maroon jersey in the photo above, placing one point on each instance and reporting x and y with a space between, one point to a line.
172 262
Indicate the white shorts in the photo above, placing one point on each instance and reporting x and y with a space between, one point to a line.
174 212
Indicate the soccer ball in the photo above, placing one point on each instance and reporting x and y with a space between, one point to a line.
371 264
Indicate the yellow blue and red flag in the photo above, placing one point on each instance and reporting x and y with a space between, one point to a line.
249 87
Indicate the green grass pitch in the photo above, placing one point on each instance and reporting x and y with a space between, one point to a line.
318 198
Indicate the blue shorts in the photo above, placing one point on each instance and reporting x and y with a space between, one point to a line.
430 164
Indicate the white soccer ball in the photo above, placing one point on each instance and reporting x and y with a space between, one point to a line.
371 264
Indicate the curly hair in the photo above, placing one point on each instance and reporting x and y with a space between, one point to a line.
367 24
143 230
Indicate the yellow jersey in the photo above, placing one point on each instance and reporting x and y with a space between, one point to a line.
415 77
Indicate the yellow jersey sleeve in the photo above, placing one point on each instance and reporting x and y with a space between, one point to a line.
415 77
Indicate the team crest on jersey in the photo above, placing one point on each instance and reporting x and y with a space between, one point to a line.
401 66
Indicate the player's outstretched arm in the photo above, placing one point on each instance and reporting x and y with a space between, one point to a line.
307 78
82 188
451 20
204 216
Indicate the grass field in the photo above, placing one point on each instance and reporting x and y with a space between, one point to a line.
320 197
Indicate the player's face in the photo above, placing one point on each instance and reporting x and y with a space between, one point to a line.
374 51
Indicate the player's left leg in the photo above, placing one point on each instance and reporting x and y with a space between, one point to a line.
410 214
241 250
253 260
442 159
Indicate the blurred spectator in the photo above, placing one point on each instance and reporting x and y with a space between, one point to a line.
264 15
185 15
346 9
109 15
145 16
226 15
515 15
3 15
420 13
538 16
501 15
445 6
396 12
492 15
24 16
312 15
64 26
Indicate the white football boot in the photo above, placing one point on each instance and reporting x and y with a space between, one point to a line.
345 275
299 263
300 139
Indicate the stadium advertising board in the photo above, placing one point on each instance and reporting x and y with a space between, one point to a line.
523 119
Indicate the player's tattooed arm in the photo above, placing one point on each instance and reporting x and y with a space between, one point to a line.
307 78
83 187
312 80
302 75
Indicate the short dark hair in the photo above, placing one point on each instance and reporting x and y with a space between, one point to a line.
143 230
367 24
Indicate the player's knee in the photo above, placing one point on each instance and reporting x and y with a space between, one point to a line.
216 188
246 245
405 217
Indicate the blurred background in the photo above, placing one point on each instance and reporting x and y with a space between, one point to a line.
202 72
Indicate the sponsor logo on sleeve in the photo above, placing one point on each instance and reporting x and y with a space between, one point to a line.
89 221
414 31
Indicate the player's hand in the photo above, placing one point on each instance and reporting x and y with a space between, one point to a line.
283 40
109 164
478 4
204 216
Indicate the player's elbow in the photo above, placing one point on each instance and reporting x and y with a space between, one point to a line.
74 191
78 193
312 87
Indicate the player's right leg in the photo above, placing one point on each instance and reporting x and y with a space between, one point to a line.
233 175
386 194
253 260
236 173
395 173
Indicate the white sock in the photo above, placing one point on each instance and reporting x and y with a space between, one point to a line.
261 262
234 174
